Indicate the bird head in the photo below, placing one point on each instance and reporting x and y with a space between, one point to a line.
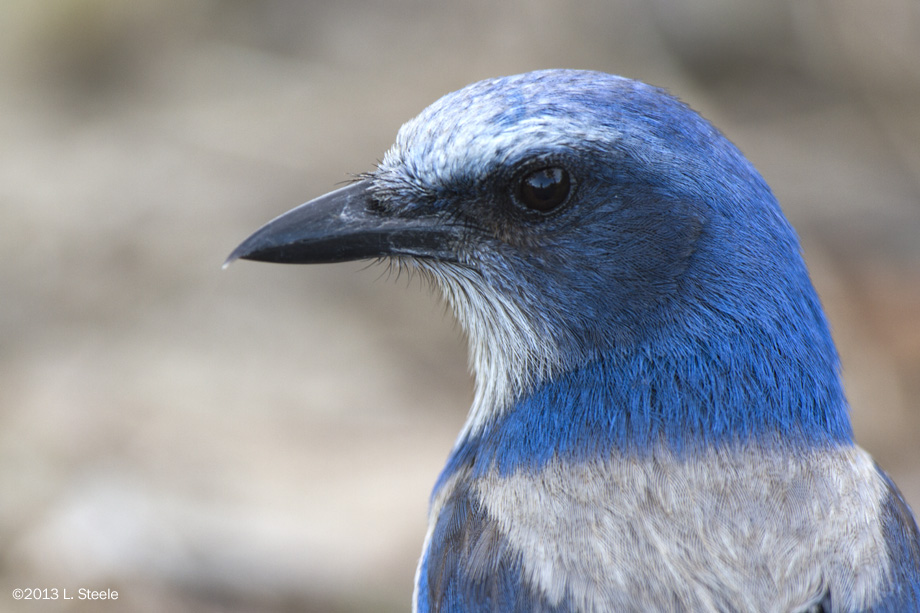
575 218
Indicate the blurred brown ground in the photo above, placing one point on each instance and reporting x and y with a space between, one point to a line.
265 438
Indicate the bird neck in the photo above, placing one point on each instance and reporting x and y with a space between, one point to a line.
685 395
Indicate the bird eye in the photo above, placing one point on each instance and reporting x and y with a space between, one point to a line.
545 189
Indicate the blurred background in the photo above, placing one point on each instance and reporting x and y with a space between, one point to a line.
265 438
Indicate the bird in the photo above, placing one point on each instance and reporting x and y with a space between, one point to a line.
658 420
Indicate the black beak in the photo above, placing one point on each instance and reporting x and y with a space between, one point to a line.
345 225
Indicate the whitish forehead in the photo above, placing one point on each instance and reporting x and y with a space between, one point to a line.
485 124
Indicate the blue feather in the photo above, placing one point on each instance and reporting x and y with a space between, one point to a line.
665 312
471 567
659 421
902 589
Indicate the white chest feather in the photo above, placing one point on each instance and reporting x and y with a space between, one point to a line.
740 531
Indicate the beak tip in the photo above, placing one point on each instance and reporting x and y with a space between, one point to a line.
239 253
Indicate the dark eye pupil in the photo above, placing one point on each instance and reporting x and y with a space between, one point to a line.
545 189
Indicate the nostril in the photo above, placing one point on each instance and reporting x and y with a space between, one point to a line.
375 205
